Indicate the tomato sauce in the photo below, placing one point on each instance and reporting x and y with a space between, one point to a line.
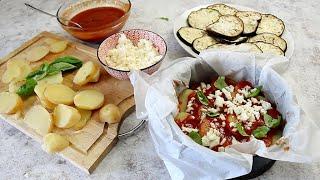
97 17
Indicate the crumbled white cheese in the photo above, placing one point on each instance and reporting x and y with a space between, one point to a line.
219 101
265 105
188 129
227 93
211 139
126 56
203 85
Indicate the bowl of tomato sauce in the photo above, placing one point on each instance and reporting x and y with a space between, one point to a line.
98 19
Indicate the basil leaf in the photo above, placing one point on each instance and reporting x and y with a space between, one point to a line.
270 122
27 88
70 60
195 136
241 130
220 83
60 66
261 132
212 114
202 98
255 93
39 73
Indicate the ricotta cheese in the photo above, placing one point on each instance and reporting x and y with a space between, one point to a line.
126 56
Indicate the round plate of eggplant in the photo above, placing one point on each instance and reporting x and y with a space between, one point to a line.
232 27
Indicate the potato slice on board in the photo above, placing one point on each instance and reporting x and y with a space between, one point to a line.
11 74
39 119
85 73
59 94
89 99
10 103
54 143
37 53
24 66
95 76
110 113
39 90
58 47
85 117
49 41
66 116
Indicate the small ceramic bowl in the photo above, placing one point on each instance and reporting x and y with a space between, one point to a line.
134 35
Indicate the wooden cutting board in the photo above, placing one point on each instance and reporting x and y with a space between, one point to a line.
90 144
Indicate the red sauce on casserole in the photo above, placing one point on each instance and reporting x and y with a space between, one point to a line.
228 123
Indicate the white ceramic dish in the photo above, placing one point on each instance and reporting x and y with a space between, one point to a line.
181 21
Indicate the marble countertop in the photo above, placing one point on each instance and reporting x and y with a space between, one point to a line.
135 157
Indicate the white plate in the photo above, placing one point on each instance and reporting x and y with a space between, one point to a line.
181 21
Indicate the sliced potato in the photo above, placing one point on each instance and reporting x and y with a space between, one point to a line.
89 99
39 90
59 94
85 73
95 76
54 79
24 66
49 41
110 113
11 74
10 103
58 47
85 117
53 142
65 116
39 119
37 53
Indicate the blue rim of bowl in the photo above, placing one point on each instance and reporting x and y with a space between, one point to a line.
58 19
139 69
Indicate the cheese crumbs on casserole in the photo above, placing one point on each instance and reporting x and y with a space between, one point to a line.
127 56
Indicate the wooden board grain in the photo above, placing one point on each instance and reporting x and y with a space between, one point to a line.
90 144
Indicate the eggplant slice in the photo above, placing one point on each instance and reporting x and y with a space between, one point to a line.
270 24
228 26
203 43
271 39
269 48
250 21
239 40
202 18
188 34
248 46
224 9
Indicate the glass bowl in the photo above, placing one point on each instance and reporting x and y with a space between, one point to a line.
134 35
71 8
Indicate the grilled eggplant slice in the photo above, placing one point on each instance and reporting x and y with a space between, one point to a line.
203 43
224 9
249 46
269 48
188 34
270 38
202 18
270 24
239 40
250 21
228 26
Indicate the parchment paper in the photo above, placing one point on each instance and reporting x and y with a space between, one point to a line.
156 100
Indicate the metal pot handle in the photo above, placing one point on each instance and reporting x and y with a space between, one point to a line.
133 130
